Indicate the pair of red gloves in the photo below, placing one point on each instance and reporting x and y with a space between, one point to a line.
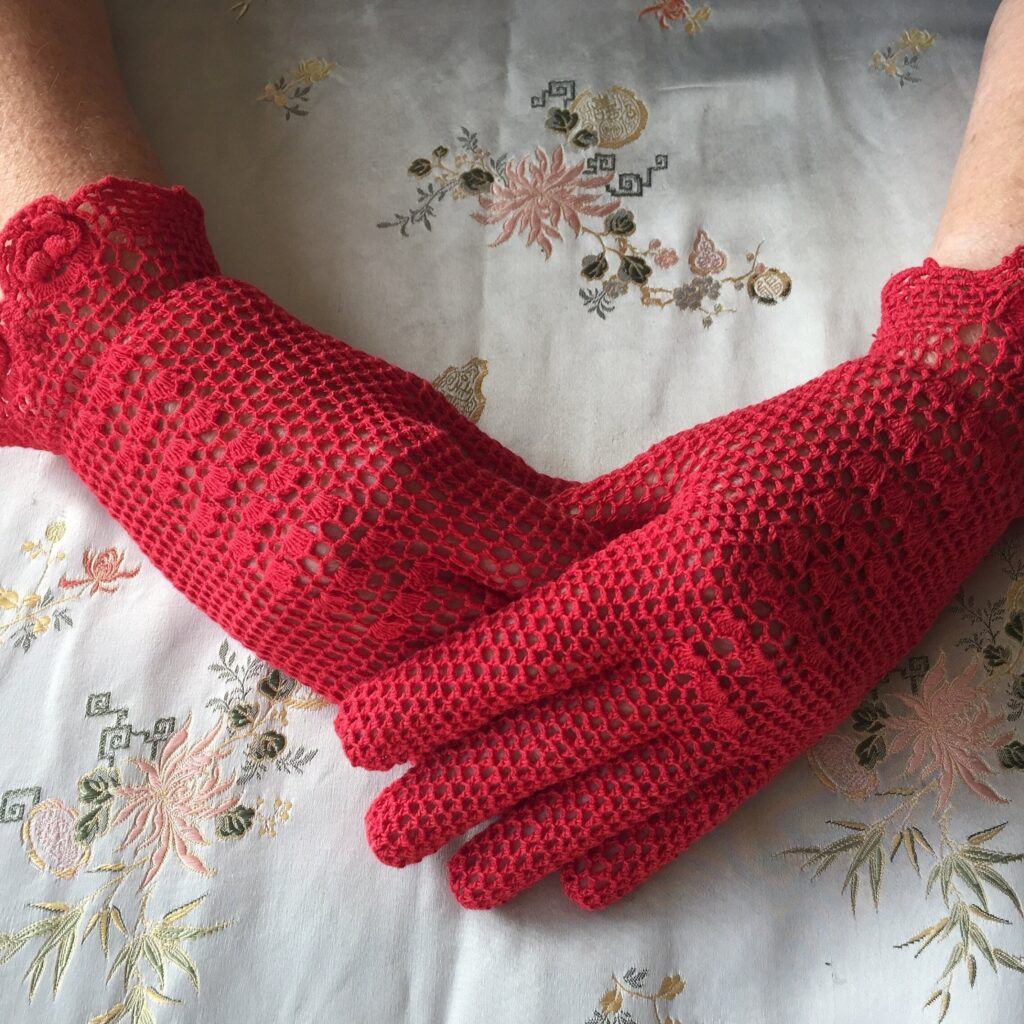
608 669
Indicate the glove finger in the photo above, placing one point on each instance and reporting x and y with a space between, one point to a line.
554 637
613 870
548 830
524 752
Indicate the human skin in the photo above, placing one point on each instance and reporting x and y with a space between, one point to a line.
64 117
984 214
65 120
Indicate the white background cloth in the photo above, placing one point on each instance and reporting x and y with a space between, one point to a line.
776 129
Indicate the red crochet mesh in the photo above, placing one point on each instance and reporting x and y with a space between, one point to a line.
806 545
336 515
330 511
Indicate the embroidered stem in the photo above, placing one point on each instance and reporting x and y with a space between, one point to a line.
626 990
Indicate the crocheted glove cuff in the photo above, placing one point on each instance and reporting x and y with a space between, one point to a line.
964 331
74 273
929 298
944 311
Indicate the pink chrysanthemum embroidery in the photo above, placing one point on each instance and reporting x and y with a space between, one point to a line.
181 789
949 729
539 194
667 10
103 570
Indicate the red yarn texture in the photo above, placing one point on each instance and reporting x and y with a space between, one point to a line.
330 511
613 666
616 714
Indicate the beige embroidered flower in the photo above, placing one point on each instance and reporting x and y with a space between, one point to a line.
916 40
290 91
315 69
55 531
949 729
540 193
181 789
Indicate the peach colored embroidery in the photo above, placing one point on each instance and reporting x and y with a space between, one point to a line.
539 194
179 790
949 729
42 605
662 255
834 760
667 11
102 570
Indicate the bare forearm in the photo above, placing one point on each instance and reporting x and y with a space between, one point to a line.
984 214
65 120
64 116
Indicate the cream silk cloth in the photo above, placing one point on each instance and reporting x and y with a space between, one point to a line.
385 170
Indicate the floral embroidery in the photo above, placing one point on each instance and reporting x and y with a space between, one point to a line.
612 1007
96 792
949 729
538 194
255 711
900 59
183 788
766 285
181 801
290 91
998 637
667 11
102 571
49 837
952 739
533 196
463 387
465 175
43 608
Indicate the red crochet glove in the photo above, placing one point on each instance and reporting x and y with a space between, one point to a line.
809 543
330 511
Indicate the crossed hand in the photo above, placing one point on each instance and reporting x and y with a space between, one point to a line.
605 669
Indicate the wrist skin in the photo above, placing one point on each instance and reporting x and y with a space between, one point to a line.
65 120
983 219
64 117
